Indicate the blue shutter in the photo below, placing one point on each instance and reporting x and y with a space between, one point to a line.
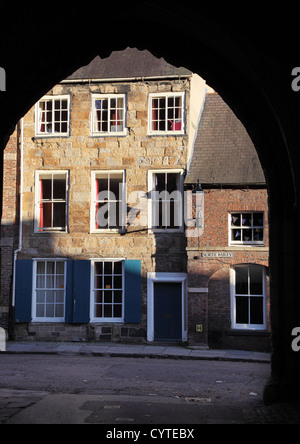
133 284
23 300
69 293
81 291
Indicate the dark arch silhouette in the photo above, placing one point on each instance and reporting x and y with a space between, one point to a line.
240 52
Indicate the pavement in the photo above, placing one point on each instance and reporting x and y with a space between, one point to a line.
135 350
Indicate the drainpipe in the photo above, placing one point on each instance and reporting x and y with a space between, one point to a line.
19 249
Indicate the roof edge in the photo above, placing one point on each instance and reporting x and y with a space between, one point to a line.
125 79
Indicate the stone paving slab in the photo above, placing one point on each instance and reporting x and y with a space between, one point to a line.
127 350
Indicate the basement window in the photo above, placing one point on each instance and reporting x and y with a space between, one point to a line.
52 116
166 113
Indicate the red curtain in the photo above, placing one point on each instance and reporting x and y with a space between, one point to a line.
41 205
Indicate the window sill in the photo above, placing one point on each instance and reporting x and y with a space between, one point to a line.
51 136
108 231
245 332
47 232
106 321
168 134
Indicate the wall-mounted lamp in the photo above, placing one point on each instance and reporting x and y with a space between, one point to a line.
198 188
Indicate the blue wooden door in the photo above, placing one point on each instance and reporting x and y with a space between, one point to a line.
167 312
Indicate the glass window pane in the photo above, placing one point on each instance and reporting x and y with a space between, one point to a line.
50 267
256 280
172 182
46 215
117 311
40 308
60 297
107 297
50 282
101 185
98 310
40 281
98 267
59 310
46 186
241 280
49 105
40 296
117 267
160 182
236 220
60 268
108 267
98 297
107 311
118 297
50 297
116 181
236 235
258 219
242 310
107 282
258 234
59 189
246 220
60 281
117 281
247 235
256 311
59 214
50 310
40 268
98 281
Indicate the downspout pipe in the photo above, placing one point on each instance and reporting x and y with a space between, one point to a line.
19 249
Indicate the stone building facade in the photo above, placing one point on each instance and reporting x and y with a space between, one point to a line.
95 149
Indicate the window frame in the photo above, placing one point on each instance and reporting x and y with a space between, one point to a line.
45 319
252 227
101 320
37 198
38 132
123 203
248 326
166 95
109 133
151 176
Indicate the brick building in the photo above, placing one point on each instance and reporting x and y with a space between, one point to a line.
228 258
103 251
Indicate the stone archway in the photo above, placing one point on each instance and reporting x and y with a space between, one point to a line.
239 53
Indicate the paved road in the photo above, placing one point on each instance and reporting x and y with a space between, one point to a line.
39 389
